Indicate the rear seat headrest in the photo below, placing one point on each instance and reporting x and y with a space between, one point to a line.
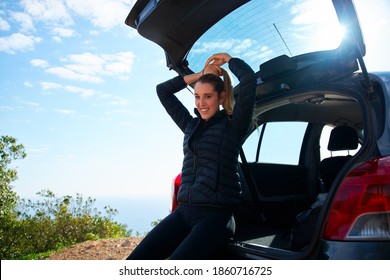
343 138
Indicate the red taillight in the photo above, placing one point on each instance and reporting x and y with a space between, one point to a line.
175 190
361 208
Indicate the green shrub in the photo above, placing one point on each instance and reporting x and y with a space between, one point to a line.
55 223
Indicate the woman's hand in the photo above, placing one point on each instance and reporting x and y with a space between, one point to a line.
218 59
212 66
212 69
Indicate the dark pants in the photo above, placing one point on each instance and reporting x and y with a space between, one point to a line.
190 232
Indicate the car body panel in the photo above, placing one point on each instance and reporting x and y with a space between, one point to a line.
327 250
158 22
383 78
356 250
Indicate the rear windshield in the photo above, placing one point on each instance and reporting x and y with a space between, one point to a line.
261 30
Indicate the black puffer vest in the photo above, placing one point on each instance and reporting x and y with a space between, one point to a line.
211 148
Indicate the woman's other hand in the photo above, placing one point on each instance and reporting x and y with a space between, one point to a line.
212 69
218 59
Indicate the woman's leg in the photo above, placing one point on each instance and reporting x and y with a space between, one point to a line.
209 233
162 240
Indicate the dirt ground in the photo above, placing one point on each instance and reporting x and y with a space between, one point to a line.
106 249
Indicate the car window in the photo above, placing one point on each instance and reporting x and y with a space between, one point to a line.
257 32
281 143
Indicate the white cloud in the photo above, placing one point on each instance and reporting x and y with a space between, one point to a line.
117 67
39 63
63 32
4 25
88 67
25 21
49 86
48 11
18 42
260 55
312 11
64 111
316 23
55 14
66 73
57 39
120 63
234 44
86 63
104 14
242 46
81 91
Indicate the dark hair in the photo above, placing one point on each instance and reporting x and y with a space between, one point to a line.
213 80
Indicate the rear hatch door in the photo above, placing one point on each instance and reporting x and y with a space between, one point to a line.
177 26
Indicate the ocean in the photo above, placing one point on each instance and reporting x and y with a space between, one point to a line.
136 213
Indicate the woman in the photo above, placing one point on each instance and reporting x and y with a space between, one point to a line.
210 188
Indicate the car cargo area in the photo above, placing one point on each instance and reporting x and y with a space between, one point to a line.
279 196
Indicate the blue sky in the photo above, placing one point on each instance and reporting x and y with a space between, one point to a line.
78 91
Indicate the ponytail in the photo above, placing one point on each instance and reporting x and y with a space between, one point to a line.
228 103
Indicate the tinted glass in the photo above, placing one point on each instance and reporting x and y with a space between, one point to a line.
261 30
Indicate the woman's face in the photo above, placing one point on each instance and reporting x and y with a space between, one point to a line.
207 100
